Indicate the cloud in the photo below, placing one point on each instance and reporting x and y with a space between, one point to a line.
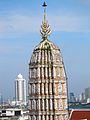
8 49
71 23
17 24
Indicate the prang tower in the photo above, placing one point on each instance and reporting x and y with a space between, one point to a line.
47 84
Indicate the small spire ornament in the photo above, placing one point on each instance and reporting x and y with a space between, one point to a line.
45 27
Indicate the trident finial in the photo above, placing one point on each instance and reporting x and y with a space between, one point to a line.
45 28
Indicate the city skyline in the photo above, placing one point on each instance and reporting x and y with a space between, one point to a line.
19 34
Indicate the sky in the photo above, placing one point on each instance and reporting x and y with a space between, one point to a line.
20 22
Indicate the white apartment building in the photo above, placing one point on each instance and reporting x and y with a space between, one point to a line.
20 90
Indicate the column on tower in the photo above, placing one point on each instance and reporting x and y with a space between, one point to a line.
33 117
55 117
49 70
49 64
29 102
46 72
33 88
29 89
46 104
42 88
43 117
45 64
64 88
49 56
46 88
38 105
47 117
54 87
54 72
34 104
42 57
62 72
51 117
38 88
60 105
51 104
38 72
30 118
39 56
30 73
50 88
55 104
39 117
42 69
43 105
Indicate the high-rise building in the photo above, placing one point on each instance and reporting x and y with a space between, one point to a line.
72 97
20 89
87 92
47 84
81 97
1 99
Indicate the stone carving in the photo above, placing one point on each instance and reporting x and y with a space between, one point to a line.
33 73
50 88
47 104
55 104
51 117
33 88
54 72
42 87
59 88
30 105
34 104
60 104
58 72
46 88
29 89
39 117
37 88
43 104
38 72
43 117
51 104
56 118
33 117
38 104
54 88
61 118
30 118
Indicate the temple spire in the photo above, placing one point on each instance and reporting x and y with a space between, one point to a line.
45 27
44 5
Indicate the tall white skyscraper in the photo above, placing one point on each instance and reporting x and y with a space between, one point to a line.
20 89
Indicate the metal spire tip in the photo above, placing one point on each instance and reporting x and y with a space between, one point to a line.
44 4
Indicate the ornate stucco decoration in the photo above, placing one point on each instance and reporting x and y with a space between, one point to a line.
45 27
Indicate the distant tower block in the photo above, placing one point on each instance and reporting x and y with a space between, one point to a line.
20 89
47 84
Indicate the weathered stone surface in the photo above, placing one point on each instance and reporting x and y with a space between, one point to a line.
47 84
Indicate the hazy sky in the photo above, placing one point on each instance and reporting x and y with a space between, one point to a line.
20 22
